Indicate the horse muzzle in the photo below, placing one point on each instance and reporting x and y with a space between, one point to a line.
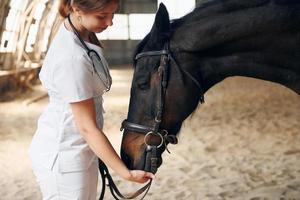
149 161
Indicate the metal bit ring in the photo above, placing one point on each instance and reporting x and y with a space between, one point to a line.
151 132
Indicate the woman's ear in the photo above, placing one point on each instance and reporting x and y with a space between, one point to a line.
76 10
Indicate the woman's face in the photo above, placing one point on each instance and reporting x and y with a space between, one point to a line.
98 21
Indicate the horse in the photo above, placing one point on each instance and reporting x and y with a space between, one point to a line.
178 61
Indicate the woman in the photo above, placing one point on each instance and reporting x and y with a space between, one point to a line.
69 135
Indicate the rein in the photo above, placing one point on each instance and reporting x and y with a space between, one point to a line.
105 175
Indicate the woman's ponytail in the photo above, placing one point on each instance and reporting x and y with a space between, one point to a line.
64 8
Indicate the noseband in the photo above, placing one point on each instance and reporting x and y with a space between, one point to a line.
151 161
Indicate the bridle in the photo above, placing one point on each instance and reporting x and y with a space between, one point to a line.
155 130
151 160
163 73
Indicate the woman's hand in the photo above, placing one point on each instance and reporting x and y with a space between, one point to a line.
140 176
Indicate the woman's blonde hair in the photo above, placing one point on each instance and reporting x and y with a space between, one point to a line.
65 6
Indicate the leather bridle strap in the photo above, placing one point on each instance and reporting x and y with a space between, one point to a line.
104 172
135 127
162 72
151 53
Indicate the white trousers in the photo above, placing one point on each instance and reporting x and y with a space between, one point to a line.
81 185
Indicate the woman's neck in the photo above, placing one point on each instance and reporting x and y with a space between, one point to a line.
83 32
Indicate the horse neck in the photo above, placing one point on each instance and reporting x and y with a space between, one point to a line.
217 69
211 70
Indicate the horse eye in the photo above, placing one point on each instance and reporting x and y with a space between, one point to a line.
143 81
143 86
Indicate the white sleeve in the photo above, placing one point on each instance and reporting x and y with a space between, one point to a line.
73 79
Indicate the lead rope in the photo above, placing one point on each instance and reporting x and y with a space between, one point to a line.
104 172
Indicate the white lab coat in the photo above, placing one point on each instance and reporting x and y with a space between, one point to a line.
67 74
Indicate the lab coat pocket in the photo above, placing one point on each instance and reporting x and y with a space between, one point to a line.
74 160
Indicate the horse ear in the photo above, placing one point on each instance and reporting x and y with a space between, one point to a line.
161 27
162 20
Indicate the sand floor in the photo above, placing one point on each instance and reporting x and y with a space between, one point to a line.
242 144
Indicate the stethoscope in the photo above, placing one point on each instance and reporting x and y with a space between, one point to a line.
104 75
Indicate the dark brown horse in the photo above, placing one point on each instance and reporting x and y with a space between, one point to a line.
177 62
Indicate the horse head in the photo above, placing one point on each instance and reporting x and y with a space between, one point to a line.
158 90
176 63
